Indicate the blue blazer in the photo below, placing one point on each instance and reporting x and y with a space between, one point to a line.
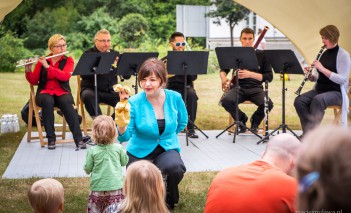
142 131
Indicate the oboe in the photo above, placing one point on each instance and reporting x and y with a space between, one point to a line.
298 91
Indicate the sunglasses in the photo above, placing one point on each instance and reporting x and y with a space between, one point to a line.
180 44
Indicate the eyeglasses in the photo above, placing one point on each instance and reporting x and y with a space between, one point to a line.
104 40
61 46
179 44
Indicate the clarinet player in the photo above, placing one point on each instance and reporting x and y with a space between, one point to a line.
250 82
331 77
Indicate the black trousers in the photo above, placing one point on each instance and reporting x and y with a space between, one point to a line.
255 95
191 104
310 107
65 104
88 97
172 167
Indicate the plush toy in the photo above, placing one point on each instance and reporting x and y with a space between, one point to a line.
122 109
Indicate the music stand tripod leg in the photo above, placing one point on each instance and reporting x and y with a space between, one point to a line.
230 126
283 126
196 127
292 132
265 139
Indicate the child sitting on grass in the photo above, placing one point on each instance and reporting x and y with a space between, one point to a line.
104 163
46 195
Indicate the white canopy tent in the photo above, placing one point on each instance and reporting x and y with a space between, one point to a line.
7 6
301 20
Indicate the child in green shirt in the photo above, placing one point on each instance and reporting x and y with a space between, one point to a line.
104 164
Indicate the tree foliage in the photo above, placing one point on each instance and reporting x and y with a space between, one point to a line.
232 12
138 24
132 28
12 50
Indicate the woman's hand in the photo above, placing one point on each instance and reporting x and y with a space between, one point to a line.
28 68
318 65
43 61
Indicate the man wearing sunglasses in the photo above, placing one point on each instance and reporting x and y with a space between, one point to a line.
176 83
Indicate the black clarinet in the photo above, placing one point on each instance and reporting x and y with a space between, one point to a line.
298 91
266 109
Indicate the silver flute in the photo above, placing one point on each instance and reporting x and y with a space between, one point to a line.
33 60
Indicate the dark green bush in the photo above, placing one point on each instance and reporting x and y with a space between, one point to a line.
12 50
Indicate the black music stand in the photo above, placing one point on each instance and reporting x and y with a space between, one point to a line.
187 63
283 61
129 64
94 63
237 58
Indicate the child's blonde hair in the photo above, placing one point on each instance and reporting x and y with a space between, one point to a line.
46 195
144 188
104 130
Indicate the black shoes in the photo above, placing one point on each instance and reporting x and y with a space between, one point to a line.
192 134
242 128
82 145
254 128
51 145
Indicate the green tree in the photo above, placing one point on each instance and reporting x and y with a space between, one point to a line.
132 28
48 22
12 50
85 29
232 12
120 8
39 30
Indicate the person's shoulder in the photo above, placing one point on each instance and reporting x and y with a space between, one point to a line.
259 51
172 93
344 52
137 97
92 49
69 58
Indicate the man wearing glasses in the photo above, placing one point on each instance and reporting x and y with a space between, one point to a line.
105 82
176 83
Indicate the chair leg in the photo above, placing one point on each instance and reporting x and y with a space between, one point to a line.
40 130
84 121
30 122
337 115
64 127
108 110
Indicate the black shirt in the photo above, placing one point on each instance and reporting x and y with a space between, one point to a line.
328 60
161 125
105 82
264 68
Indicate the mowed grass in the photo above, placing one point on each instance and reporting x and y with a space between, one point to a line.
14 92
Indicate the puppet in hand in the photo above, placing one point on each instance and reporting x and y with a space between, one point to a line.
122 109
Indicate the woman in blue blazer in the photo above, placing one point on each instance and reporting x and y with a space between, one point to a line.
157 115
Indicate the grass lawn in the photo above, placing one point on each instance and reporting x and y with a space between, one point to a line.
14 92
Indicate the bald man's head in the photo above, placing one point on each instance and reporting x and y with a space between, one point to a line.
282 151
